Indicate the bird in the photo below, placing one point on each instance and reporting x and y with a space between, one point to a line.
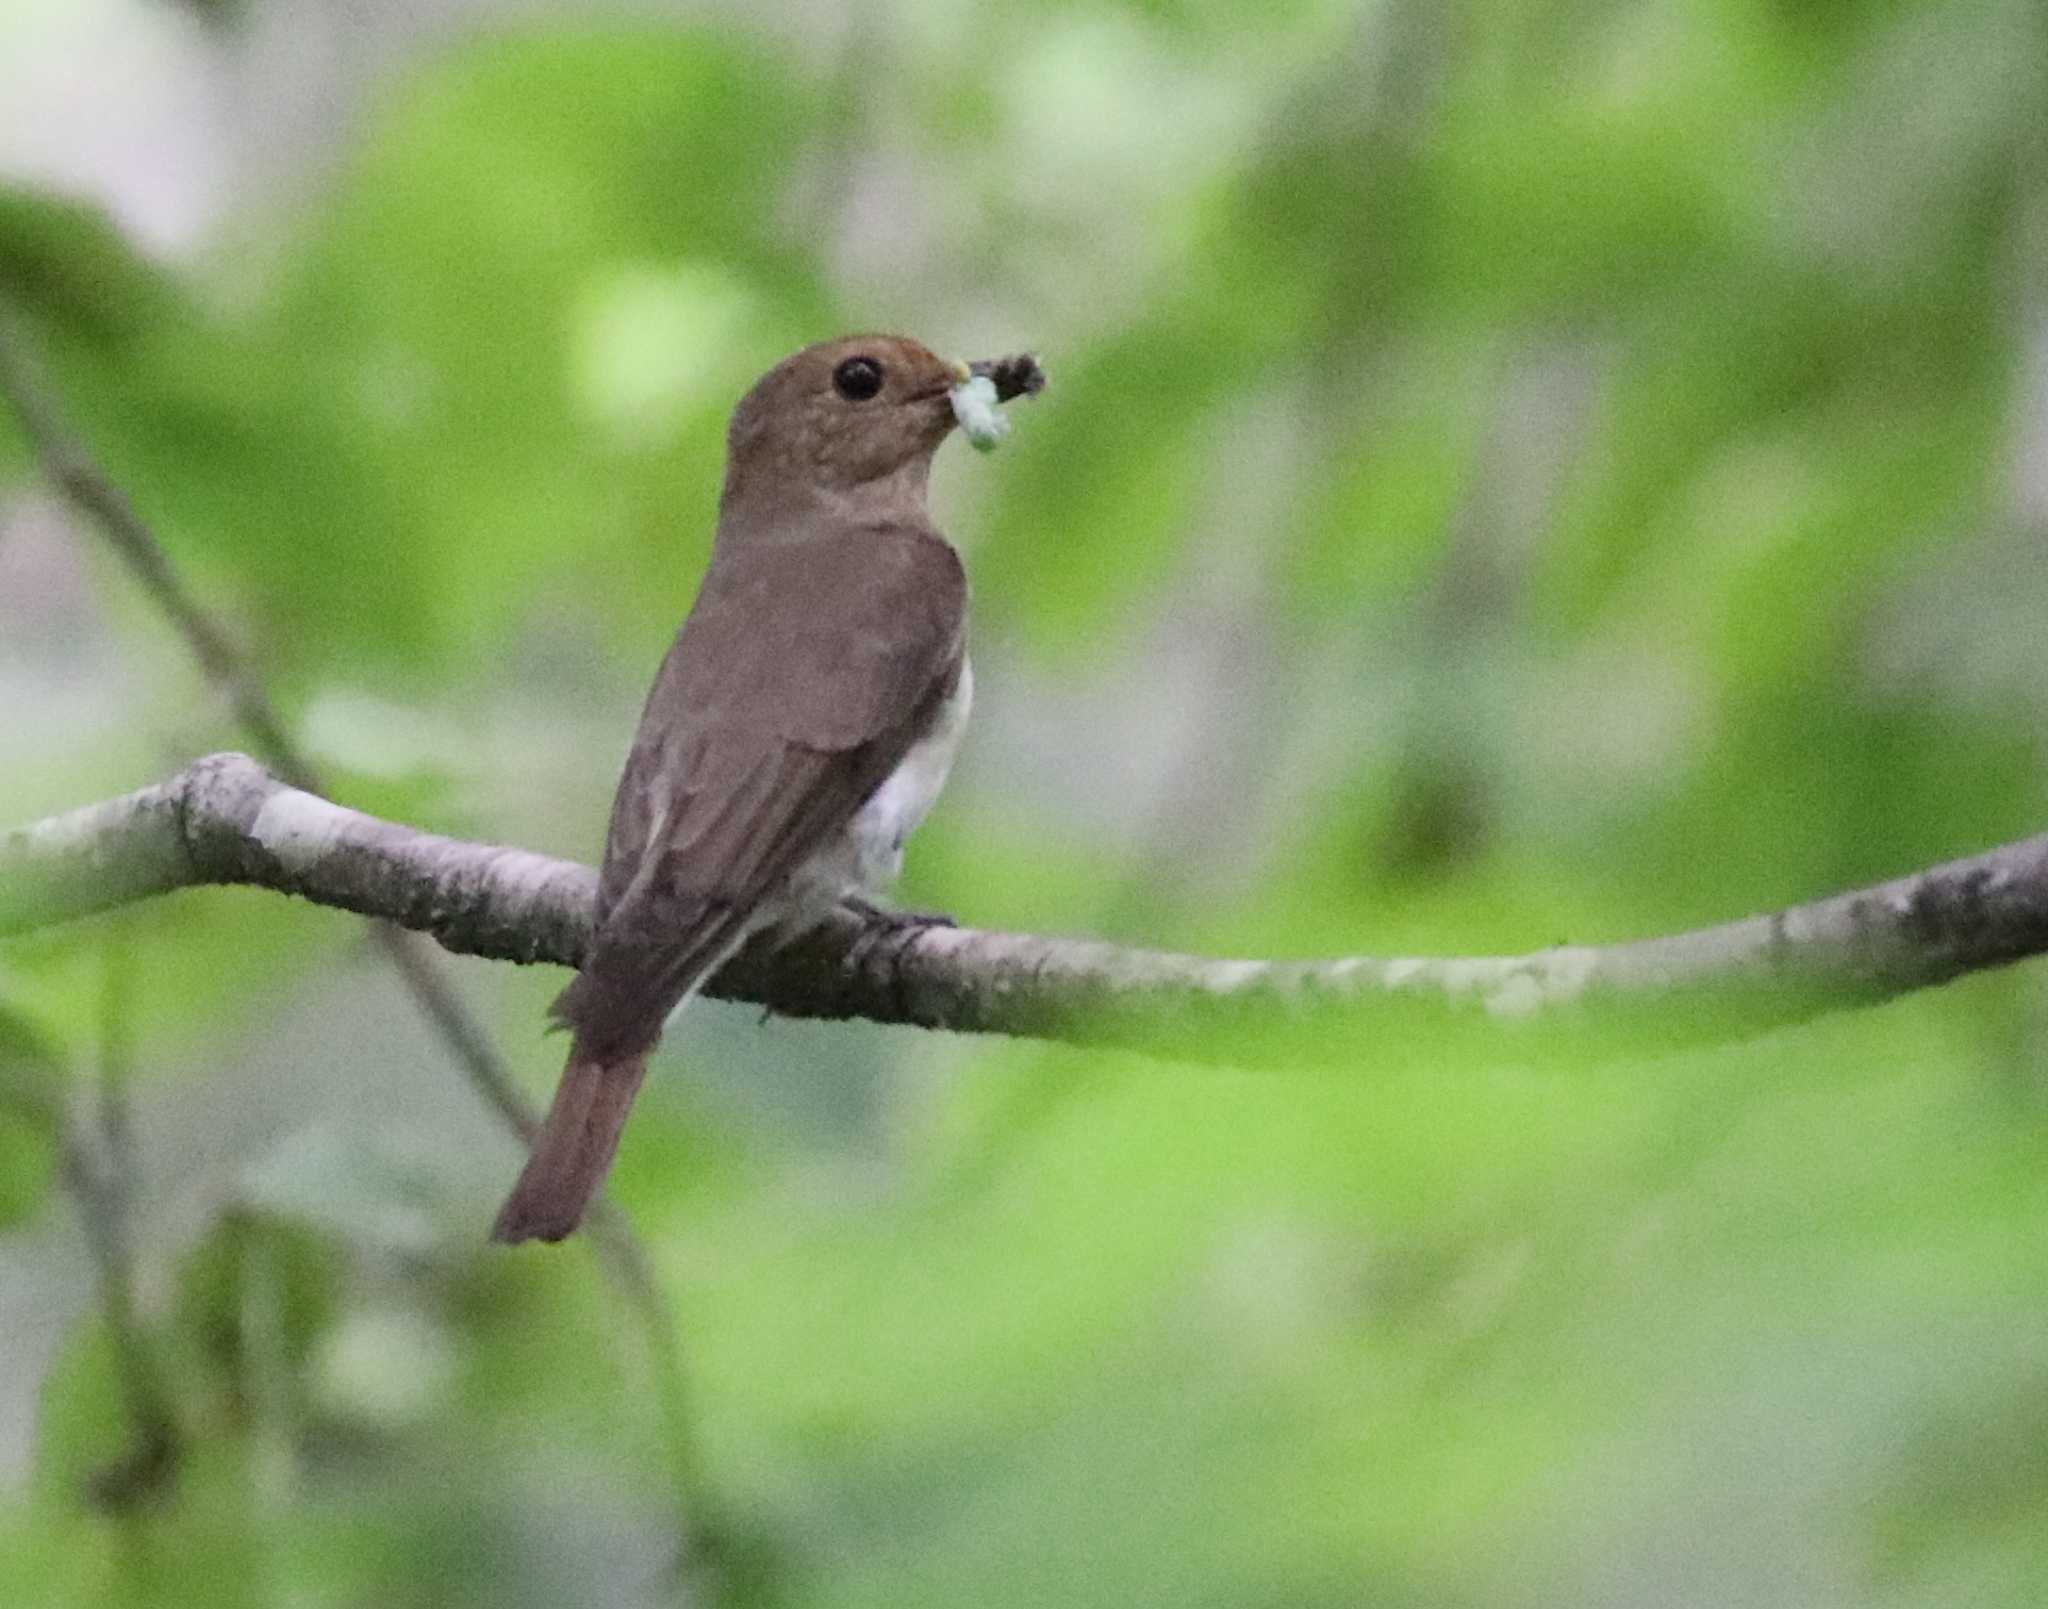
798 730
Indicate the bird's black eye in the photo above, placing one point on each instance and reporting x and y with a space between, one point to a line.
857 379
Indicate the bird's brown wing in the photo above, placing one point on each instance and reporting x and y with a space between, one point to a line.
803 675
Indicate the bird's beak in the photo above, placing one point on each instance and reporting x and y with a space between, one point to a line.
961 372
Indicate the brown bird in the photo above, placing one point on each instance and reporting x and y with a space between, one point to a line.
798 730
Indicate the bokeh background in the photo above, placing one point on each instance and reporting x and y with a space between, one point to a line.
1543 470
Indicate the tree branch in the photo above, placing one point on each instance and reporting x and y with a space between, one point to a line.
225 820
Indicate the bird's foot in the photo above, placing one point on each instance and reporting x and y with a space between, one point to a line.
880 924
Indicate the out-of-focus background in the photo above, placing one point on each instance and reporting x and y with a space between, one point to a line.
1511 473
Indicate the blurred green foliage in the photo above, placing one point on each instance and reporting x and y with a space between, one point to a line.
1510 474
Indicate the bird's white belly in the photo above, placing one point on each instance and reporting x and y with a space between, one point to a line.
868 855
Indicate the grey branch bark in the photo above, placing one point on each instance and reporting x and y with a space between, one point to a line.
225 820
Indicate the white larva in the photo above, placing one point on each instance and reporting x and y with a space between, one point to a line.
974 405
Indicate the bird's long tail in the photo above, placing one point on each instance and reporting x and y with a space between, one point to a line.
573 1150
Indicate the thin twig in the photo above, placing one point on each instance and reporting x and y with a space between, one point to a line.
98 1169
92 492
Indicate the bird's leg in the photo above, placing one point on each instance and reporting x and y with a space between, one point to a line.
876 915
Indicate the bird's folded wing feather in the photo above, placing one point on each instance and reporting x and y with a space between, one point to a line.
802 677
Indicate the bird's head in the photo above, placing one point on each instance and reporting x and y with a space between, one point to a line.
853 419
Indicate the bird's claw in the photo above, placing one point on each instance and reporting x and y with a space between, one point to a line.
880 924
